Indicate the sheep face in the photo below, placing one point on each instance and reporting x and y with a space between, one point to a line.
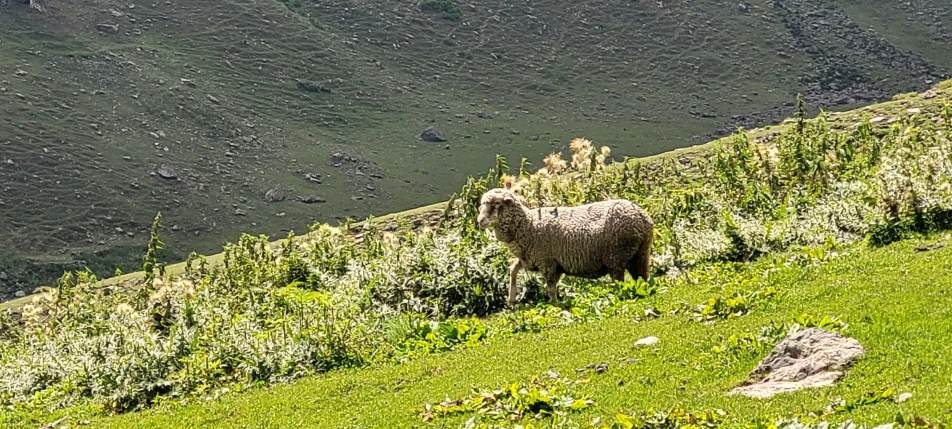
492 203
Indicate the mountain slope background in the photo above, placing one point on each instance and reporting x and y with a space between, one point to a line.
113 111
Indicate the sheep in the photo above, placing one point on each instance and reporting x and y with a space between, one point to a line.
586 241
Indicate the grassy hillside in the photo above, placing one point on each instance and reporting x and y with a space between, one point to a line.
114 111
900 316
747 229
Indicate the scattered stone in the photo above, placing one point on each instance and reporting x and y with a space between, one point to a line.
213 99
877 119
3 275
903 397
20 73
187 82
648 341
432 135
10 162
240 212
311 199
274 195
483 115
316 178
911 112
602 367
166 173
809 358
930 94
108 28
19 294
930 247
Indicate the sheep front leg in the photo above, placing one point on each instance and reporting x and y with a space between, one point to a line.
552 286
513 275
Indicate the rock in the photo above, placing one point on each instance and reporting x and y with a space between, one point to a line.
647 341
166 173
930 247
274 195
311 199
903 397
240 212
911 112
930 94
19 294
809 358
3 275
877 119
316 178
213 99
108 28
432 135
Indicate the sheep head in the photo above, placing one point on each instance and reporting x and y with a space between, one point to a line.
493 202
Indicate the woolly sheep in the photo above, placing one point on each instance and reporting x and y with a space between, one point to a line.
587 241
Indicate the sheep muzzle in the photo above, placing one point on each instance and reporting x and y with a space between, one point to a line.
482 220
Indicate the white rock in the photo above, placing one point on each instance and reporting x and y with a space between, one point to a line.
911 112
19 294
903 397
648 341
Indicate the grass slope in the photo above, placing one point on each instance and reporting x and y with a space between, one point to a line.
889 111
901 315
239 97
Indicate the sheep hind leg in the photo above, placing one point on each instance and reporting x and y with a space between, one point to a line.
640 264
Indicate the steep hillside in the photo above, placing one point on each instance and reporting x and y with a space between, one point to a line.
113 111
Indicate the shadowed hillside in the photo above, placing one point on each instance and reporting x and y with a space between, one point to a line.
247 116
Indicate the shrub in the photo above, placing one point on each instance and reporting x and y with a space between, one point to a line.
448 9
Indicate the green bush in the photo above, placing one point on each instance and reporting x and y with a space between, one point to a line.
448 9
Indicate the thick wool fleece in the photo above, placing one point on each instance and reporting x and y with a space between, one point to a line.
587 241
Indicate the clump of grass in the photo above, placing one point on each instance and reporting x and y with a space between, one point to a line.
448 9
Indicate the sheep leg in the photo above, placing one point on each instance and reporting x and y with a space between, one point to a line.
552 286
639 265
513 275
618 275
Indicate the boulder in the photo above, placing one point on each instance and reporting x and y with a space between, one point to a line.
108 28
809 358
432 135
274 195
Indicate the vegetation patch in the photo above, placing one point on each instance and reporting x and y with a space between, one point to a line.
447 9
542 397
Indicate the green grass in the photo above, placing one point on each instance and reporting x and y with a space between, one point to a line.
79 107
895 300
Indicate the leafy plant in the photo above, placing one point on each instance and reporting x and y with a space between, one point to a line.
541 397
